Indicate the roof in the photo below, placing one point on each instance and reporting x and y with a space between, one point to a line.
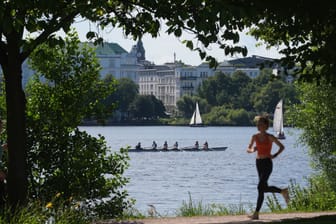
225 64
109 49
252 62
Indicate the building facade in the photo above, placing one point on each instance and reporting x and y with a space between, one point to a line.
168 82
159 81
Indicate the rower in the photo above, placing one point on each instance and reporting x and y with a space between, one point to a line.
196 145
165 146
154 145
175 146
205 146
138 146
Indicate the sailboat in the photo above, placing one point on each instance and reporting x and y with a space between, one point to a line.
278 121
196 119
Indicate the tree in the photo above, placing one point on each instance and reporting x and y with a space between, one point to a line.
303 33
159 108
142 107
303 28
107 105
217 89
315 116
268 96
25 26
126 92
263 78
63 159
186 106
147 107
241 90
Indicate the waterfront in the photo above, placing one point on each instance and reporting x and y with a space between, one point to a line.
165 179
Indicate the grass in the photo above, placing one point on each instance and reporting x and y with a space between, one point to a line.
194 208
197 208
316 197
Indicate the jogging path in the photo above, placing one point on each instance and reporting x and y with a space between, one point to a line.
236 219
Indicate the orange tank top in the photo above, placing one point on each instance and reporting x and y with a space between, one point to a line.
264 147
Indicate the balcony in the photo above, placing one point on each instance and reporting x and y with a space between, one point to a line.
188 78
187 87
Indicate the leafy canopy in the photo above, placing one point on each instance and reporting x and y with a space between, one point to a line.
63 159
315 116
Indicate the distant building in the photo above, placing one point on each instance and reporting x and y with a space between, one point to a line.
168 82
120 63
189 78
160 81
254 61
113 59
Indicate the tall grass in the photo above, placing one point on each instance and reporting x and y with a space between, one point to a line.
35 213
198 208
317 196
56 212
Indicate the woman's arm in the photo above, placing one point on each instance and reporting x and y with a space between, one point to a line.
278 143
250 148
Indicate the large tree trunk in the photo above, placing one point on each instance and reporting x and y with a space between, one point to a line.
16 130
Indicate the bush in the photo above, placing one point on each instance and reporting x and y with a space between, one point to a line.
317 196
63 159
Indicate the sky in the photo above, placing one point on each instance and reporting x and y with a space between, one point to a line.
161 49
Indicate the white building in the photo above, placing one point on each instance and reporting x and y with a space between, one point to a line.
169 82
120 63
159 81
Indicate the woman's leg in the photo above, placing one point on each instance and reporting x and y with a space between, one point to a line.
264 167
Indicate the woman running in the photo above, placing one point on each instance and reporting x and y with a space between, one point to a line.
263 146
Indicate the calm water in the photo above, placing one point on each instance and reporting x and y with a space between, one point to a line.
164 179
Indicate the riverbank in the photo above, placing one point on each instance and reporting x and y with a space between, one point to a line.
285 218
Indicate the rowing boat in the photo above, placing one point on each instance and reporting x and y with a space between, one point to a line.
185 149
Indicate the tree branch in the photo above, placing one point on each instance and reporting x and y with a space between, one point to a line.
53 26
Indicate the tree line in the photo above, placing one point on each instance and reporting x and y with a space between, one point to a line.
235 99
129 106
224 99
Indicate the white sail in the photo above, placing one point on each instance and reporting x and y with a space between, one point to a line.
196 118
278 119
192 120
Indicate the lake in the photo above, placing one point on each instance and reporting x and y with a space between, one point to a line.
165 179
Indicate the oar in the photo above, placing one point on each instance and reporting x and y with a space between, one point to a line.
188 147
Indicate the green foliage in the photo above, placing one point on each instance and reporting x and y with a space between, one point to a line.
317 196
316 117
2 97
224 116
273 203
63 159
130 105
125 93
73 72
241 92
147 107
236 99
306 31
305 43
186 105
57 211
193 208
217 89
268 96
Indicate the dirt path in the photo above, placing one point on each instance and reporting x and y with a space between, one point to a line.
238 219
